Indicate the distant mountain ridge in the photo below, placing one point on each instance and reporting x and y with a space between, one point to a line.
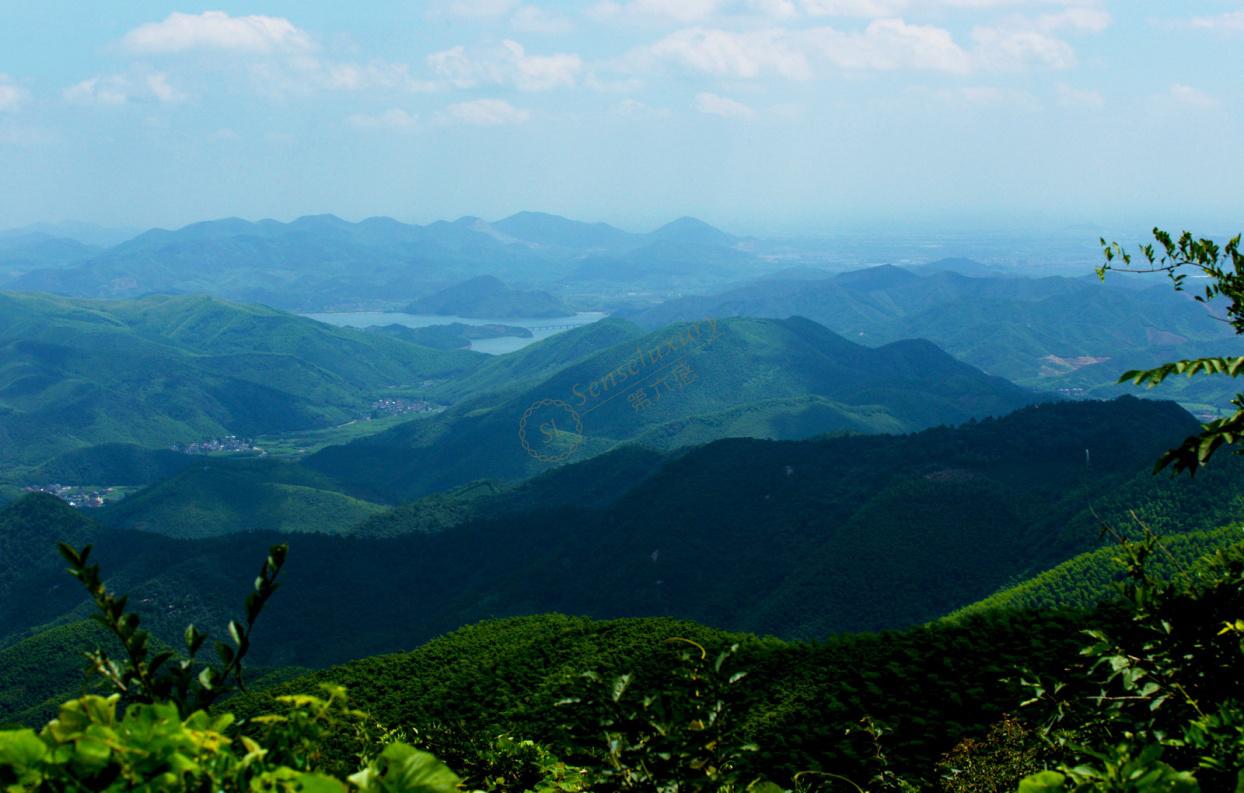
1048 333
318 262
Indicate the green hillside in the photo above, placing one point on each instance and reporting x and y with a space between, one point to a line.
801 703
1088 579
793 538
690 377
162 370
1045 333
215 497
115 463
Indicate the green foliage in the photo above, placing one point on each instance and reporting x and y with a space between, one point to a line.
144 677
151 746
1222 271
683 736
1156 703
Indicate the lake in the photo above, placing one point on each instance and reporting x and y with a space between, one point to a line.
541 328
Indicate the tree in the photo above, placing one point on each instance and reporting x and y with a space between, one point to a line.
1222 268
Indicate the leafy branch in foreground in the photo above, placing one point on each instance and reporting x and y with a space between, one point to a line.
1222 269
144 676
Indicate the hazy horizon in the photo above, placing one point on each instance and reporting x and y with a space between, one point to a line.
778 117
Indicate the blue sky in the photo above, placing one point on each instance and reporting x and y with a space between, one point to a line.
763 116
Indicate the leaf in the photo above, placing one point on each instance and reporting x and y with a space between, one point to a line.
318 783
404 769
21 749
1041 782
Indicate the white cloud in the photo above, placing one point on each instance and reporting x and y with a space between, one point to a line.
887 44
533 19
376 74
541 72
483 113
634 108
1077 97
157 83
882 45
988 95
394 118
1230 21
724 53
1004 48
509 65
12 95
678 10
1079 20
1192 97
224 134
625 85
481 9
715 105
853 8
217 30
118 89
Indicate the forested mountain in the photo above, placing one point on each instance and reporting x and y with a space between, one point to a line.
318 262
799 539
1047 333
676 386
164 370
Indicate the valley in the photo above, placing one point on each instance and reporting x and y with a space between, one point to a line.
622 396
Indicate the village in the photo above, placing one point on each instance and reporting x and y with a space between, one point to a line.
229 444
392 406
78 497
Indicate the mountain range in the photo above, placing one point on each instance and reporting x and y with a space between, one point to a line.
676 386
793 538
318 262
1074 334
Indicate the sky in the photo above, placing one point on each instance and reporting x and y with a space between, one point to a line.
761 116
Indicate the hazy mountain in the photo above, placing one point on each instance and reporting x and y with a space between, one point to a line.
541 228
321 262
687 230
487 297
32 250
88 234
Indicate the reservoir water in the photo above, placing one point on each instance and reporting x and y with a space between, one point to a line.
541 327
